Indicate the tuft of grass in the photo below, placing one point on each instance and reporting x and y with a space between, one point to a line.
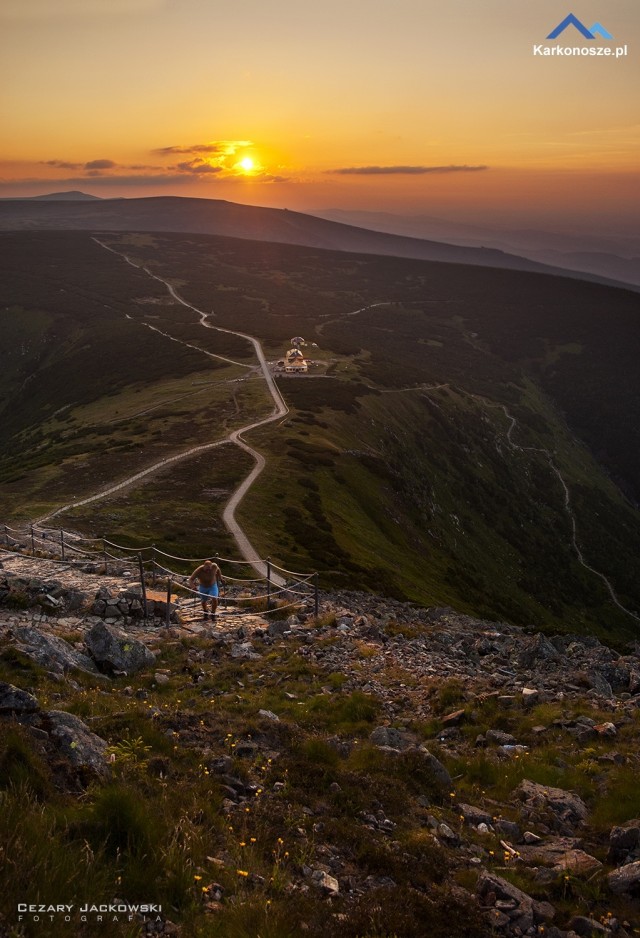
450 693
620 801
118 821
22 767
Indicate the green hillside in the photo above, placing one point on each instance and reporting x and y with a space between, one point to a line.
423 456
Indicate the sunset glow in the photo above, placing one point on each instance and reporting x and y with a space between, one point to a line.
421 107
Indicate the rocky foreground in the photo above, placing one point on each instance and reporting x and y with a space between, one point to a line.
379 770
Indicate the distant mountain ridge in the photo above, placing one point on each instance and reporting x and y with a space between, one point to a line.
611 256
230 219
72 195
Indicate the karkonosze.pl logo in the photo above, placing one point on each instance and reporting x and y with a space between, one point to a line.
592 32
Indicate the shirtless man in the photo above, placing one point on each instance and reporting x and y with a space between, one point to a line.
209 579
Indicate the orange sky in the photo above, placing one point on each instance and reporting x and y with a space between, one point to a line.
414 106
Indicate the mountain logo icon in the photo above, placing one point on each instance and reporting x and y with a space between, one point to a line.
596 30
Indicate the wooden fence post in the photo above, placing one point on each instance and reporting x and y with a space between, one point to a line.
268 582
144 588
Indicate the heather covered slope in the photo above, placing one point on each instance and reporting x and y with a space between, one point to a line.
425 456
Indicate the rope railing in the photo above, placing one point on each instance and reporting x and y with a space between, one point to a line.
274 566
53 540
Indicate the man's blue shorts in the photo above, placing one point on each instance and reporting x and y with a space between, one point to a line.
208 590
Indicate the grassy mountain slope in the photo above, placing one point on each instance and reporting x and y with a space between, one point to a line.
219 217
415 460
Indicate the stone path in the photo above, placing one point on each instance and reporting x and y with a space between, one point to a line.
87 582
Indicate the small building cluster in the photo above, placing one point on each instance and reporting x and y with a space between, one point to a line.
294 361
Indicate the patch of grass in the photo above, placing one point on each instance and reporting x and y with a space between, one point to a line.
13 662
620 800
448 695
22 766
394 629
16 599
119 822
402 912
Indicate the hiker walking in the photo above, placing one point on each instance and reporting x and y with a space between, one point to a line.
209 579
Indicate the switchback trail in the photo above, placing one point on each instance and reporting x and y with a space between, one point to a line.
280 410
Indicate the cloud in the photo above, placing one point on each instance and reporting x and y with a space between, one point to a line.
196 148
197 168
267 177
106 182
100 164
223 147
402 170
61 164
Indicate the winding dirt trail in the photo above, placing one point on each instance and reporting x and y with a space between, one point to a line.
279 411
513 423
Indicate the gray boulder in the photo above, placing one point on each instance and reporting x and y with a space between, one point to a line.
500 737
244 650
114 651
625 880
440 774
76 741
473 815
600 684
391 737
623 841
51 652
536 650
493 888
587 927
14 700
564 806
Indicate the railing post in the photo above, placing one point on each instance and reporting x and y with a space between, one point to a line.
104 553
168 615
144 588
316 597
153 564
33 543
268 582
62 542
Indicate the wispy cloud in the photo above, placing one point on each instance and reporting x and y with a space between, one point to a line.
61 164
402 170
197 168
267 177
104 182
223 147
196 148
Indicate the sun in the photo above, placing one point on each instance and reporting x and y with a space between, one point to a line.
246 164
